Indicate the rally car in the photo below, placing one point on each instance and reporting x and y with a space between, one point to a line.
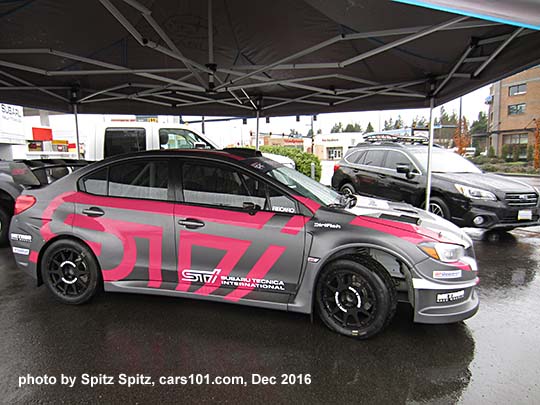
233 226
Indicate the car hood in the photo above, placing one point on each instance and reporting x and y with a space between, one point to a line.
411 219
487 181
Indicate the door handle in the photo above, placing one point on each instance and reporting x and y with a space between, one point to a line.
190 223
93 212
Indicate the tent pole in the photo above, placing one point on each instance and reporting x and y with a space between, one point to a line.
77 144
430 149
257 133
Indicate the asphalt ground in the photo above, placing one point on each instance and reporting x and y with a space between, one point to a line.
492 358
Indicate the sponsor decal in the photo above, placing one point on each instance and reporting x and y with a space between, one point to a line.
21 251
442 274
451 296
326 225
258 166
211 277
311 259
20 237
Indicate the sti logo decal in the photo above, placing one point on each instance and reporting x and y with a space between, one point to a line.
200 276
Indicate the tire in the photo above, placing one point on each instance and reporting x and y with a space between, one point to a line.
70 271
438 207
347 188
356 297
5 219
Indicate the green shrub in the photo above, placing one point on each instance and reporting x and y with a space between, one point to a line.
301 159
491 152
515 153
505 153
530 153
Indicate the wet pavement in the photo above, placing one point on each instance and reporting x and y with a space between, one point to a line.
491 358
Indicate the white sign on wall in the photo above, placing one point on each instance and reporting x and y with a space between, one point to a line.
11 124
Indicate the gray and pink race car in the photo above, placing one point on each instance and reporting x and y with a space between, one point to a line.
232 226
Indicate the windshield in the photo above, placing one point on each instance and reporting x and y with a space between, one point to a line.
444 161
306 187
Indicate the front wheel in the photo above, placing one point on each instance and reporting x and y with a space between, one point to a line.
347 188
70 272
438 207
356 297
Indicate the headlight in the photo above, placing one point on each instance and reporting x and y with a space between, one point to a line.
445 252
475 193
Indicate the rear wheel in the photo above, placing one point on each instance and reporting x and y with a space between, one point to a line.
347 188
70 272
5 218
356 297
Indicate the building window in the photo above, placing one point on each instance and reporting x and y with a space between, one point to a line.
516 109
517 89
334 153
519 141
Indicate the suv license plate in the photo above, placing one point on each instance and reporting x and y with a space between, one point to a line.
451 296
524 215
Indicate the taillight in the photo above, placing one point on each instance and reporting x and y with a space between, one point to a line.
336 167
23 202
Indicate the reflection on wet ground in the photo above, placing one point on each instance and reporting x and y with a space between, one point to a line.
493 357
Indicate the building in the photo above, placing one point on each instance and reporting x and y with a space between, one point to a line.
11 129
513 104
332 146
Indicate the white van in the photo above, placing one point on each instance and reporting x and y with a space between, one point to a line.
116 138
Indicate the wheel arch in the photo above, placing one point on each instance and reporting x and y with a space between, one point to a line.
359 249
63 237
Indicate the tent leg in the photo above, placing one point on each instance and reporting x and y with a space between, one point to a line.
430 149
77 143
257 132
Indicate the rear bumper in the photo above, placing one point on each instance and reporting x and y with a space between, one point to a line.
438 304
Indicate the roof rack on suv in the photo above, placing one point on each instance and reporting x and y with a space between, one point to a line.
390 138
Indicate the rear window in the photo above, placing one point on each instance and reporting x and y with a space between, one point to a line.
374 158
124 140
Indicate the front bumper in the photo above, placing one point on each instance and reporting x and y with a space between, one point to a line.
436 303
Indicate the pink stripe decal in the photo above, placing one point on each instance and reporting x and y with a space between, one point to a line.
461 265
33 258
405 231
295 225
234 248
309 203
48 213
126 233
259 270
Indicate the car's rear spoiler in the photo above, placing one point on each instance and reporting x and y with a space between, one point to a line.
39 173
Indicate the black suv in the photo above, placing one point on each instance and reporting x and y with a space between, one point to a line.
460 191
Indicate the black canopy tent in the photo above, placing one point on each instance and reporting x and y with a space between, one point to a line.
253 57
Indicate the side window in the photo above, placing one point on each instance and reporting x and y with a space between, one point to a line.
356 157
394 158
374 158
220 186
124 140
280 202
176 138
137 179
96 183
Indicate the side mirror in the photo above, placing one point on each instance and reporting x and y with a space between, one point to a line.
250 207
199 145
405 169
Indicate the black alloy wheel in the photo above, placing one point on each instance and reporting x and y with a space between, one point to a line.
347 188
356 297
70 272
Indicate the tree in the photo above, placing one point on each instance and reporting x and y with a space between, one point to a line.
353 128
388 124
293 132
462 139
515 153
420 122
491 152
399 123
310 133
337 128
530 153
480 125
369 128
319 131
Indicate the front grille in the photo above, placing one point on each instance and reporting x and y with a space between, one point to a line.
521 199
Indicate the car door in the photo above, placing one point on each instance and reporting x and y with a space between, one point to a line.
125 214
398 187
237 236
